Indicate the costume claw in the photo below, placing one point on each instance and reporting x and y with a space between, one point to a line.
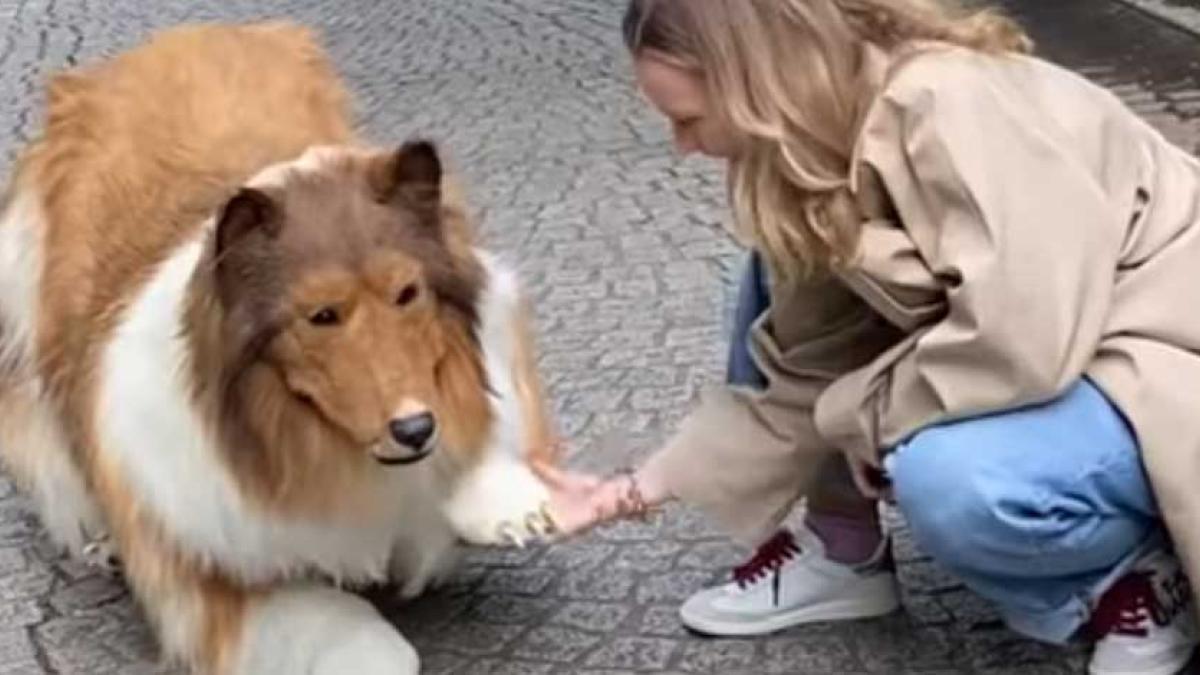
509 533
101 553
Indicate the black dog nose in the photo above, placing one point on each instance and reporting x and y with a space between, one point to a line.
413 431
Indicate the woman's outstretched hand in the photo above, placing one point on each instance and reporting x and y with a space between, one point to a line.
580 501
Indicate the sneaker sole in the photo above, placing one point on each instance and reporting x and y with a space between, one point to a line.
1174 667
886 603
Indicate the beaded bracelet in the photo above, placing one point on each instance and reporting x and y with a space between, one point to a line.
633 504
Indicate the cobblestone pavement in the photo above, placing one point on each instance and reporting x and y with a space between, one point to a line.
623 246
1182 13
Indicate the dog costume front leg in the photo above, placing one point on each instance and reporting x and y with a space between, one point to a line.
322 631
220 627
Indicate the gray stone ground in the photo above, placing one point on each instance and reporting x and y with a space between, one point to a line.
1183 13
623 246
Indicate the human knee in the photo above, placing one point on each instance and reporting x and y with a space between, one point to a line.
948 499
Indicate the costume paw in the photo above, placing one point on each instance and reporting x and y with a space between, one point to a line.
501 503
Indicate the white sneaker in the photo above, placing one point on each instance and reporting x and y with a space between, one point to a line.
1145 623
789 582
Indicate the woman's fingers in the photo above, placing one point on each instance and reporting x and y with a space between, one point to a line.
576 510
573 514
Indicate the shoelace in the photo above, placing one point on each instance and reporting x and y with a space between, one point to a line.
769 557
1132 602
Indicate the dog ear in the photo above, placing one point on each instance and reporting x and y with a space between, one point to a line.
247 211
411 176
246 266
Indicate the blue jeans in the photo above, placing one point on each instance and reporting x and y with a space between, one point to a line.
752 300
1038 509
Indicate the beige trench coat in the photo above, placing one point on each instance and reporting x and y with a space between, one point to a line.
1024 229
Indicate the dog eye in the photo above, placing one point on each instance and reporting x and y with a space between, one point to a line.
326 316
407 295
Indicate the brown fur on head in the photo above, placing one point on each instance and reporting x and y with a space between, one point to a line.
348 310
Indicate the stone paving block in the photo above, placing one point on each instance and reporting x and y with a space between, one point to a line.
12 560
18 526
578 556
674 586
429 615
827 653
17 654
510 667
511 609
895 646
443 663
648 557
596 617
928 577
968 609
1001 651
635 653
925 610
662 620
33 582
712 555
521 581
720 657
21 613
600 584
87 593
555 643
477 638
81 643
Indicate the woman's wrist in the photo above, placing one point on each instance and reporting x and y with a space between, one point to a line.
652 486
636 492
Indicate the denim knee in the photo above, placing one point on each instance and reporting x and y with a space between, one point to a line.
955 513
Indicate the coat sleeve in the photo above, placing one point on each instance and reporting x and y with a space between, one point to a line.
1018 231
745 456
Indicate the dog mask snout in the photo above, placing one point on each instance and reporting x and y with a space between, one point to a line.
412 436
414 431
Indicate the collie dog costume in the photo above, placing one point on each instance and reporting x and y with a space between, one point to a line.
253 356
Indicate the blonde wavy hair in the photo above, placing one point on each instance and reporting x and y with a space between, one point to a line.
786 75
